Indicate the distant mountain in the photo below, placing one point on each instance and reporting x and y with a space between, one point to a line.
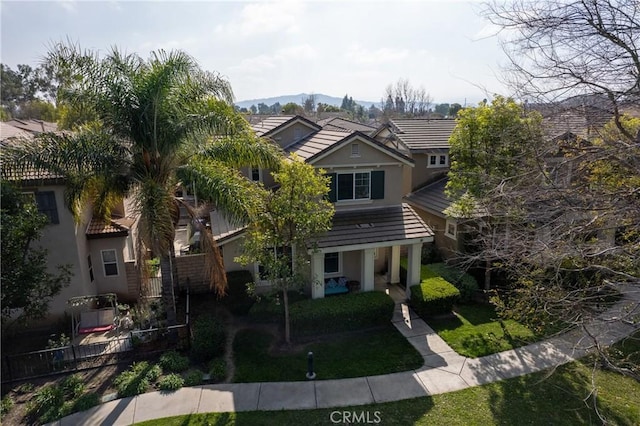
299 99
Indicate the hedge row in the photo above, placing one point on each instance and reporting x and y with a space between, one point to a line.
340 313
463 281
433 296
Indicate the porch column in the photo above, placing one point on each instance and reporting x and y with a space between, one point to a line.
413 266
368 269
394 265
317 275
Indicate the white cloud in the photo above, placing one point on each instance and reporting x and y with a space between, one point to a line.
365 56
280 58
68 5
264 18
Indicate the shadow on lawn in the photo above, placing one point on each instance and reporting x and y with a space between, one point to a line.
561 396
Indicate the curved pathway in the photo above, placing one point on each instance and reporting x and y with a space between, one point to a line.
443 371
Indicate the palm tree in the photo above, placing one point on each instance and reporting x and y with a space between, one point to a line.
160 122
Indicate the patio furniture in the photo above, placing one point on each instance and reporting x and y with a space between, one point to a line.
93 314
335 286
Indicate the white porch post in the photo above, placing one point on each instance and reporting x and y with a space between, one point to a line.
394 265
368 269
317 275
413 266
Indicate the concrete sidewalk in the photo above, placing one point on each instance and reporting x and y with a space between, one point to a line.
443 371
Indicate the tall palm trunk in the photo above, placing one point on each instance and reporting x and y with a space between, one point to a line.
168 296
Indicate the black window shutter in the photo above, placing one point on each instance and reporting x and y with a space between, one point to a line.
345 186
377 185
332 187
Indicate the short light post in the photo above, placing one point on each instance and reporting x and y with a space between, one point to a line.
310 373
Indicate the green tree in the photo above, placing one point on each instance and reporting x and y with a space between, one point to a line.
454 109
292 108
442 109
163 122
285 224
27 285
488 146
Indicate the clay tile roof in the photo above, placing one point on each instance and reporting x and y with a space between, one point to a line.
339 123
422 133
317 142
431 197
381 225
117 227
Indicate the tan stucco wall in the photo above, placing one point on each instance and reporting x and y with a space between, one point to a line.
66 244
230 251
421 174
394 176
447 246
112 284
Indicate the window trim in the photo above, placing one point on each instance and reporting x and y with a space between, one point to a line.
353 186
454 235
337 273
437 158
251 169
104 269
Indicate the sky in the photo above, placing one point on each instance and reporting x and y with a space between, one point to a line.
273 48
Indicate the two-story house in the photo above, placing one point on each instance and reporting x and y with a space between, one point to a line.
100 254
371 224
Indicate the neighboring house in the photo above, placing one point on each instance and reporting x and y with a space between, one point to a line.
100 254
425 141
371 225
568 128
343 124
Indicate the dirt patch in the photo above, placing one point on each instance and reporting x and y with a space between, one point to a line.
98 380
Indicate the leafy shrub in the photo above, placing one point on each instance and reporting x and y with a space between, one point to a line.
237 300
193 378
173 362
46 403
137 379
340 313
86 401
433 296
208 338
271 309
463 281
25 388
7 404
218 369
171 382
72 386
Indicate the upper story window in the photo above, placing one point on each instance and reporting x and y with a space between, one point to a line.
356 186
438 160
451 229
355 150
256 174
46 203
109 262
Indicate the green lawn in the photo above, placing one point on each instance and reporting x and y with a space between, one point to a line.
529 400
476 331
350 355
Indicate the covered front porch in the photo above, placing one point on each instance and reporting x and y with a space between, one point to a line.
363 244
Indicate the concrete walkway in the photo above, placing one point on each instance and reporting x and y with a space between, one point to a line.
443 371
